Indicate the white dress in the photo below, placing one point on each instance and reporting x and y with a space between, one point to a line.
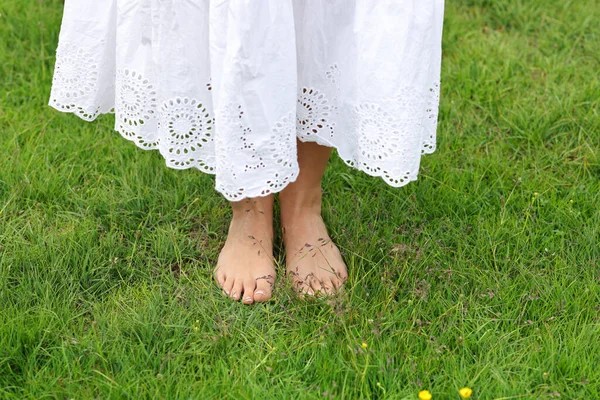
226 86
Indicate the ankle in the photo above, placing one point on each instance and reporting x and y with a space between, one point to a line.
297 221
300 204
261 207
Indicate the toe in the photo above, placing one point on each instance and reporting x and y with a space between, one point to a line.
301 286
318 287
304 287
237 289
263 290
328 288
219 275
249 286
306 290
227 286
340 279
337 282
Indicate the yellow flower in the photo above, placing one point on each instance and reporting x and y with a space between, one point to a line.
424 395
465 392
364 345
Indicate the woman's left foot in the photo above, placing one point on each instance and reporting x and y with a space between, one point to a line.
313 261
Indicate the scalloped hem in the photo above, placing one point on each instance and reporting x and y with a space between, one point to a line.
429 148
396 183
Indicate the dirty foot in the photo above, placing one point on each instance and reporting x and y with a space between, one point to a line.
313 261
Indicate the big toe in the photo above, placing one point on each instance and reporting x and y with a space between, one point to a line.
264 290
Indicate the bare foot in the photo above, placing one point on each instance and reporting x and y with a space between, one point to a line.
313 261
245 268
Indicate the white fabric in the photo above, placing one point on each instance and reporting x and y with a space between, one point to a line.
226 86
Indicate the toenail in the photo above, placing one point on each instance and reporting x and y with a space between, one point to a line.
248 299
260 293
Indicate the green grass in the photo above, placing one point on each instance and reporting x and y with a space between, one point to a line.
466 277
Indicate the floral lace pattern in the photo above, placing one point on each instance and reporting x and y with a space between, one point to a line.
135 106
187 128
275 163
75 78
313 114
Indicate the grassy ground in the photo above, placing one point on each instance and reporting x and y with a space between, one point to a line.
483 273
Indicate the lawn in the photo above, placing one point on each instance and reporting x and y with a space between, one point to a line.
483 273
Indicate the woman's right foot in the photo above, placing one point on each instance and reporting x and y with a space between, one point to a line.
245 269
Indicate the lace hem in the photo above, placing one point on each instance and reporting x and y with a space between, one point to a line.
276 184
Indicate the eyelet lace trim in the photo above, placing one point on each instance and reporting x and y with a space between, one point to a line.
135 107
75 79
276 162
313 113
186 125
